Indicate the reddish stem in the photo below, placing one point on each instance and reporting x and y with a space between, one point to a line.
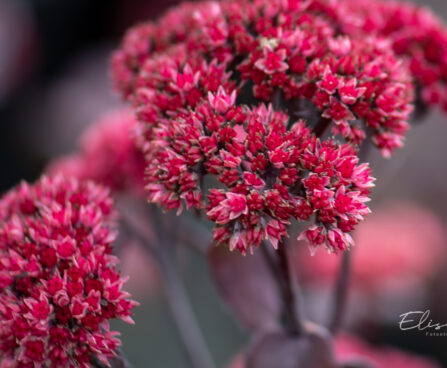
321 126
288 288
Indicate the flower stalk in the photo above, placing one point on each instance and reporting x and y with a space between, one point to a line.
279 265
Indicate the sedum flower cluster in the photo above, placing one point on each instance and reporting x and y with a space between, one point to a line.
416 35
59 286
271 100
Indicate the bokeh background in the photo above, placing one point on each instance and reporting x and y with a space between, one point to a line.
54 83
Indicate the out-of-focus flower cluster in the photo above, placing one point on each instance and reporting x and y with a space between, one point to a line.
352 349
107 155
199 78
416 35
58 283
399 247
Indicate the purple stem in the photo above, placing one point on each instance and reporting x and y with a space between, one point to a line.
280 268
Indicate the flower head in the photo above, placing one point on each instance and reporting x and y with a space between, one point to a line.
270 175
107 154
416 35
219 90
58 283
290 53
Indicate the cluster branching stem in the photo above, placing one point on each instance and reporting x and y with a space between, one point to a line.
162 245
280 268
321 127
289 291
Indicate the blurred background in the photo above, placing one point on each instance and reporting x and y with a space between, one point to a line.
54 82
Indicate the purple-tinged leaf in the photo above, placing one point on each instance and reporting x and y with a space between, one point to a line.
247 286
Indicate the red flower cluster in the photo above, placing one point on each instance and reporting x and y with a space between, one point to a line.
291 52
107 154
271 175
361 80
58 283
416 34
197 79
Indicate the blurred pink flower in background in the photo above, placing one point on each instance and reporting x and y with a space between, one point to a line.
107 154
351 348
141 268
399 246
70 165
237 362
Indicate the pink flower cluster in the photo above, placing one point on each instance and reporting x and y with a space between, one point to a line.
361 80
198 79
270 175
107 154
416 34
352 348
290 52
58 283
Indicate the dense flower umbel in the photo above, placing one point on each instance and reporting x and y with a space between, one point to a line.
287 52
197 80
58 283
416 34
361 80
270 175
107 154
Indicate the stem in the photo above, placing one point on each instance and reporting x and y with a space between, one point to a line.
341 293
183 316
287 285
289 291
162 247
321 126
195 234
